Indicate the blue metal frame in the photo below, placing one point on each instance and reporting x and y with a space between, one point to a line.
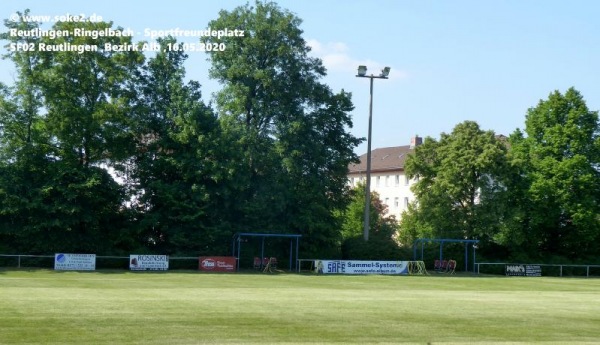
441 241
237 244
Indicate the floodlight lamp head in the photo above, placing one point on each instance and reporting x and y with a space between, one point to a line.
362 70
385 72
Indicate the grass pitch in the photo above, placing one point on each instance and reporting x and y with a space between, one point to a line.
47 307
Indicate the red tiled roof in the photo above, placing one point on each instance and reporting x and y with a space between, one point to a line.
383 159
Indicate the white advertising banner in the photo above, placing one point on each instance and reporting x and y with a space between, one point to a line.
361 267
143 262
74 262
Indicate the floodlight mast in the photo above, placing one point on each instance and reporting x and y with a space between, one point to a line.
362 73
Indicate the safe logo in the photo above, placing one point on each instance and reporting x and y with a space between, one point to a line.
336 267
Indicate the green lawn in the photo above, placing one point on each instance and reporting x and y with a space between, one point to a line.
47 307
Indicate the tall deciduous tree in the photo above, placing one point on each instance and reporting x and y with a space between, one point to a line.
24 144
58 198
178 172
22 133
461 185
290 128
560 160
88 94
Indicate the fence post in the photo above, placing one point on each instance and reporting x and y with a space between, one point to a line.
587 271
561 270
18 261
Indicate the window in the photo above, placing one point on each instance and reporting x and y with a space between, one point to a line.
406 179
377 181
387 201
406 202
396 203
397 180
387 179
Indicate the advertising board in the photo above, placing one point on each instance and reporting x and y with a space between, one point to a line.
74 262
145 262
217 263
361 267
524 270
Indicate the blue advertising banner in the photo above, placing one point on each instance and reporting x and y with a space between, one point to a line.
361 267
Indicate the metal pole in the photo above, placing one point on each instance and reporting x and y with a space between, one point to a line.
474 260
239 248
466 257
368 185
291 252
262 253
233 246
297 255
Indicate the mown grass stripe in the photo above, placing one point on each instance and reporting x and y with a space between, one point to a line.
47 307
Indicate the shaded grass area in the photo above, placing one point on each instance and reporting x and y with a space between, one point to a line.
47 307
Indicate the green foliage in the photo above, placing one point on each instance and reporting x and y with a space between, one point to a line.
177 168
271 157
273 160
461 188
382 229
65 115
560 185
49 207
291 128
22 129
87 96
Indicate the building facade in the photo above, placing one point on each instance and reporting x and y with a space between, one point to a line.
388 177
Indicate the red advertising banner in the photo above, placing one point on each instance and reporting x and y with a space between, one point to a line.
217 263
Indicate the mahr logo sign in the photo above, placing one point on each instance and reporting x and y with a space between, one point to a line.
524 270
515 270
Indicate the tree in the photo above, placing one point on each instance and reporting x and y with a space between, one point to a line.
177 169
382 242
461 188
22 131
290 128
560 160
88 95
24 143
53 179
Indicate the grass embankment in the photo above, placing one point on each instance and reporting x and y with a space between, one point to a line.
47 307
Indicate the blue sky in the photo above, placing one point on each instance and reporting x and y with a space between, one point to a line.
451 61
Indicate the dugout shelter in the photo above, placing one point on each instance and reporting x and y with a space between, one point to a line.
442 241
238 239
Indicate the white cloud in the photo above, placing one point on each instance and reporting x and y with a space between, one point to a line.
336 57
315 46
